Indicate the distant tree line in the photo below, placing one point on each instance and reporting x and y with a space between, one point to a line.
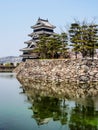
82 37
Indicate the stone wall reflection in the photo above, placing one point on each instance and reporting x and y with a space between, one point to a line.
48 105
61 89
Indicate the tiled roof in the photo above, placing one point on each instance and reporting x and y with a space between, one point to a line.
28 42
42 22
40 32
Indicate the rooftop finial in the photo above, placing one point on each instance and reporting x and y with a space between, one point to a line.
47 19
39 18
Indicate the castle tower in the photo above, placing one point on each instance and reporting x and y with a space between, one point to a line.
42 27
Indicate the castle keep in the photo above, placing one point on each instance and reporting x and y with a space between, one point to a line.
42 27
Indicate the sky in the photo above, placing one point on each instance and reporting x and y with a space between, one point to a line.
17 16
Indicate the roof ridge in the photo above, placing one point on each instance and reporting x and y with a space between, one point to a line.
40 19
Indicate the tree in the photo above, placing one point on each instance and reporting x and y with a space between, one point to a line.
53 46
74 33
92 39
64 41
88 40
84 38
42 47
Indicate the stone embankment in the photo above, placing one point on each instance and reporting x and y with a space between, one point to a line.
69 74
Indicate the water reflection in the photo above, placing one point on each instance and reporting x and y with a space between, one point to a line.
77 114
84 117
7 75
45 108
61 89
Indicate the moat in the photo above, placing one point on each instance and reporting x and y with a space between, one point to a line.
25 108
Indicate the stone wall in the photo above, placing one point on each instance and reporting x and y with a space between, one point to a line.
69 74
59 70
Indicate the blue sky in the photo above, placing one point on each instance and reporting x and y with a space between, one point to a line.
16 17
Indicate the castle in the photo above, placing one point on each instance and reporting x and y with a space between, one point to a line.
42 27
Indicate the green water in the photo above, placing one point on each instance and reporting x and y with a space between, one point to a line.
22 110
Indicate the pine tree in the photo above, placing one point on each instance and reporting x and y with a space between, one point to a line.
74 33
53 46
84 38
